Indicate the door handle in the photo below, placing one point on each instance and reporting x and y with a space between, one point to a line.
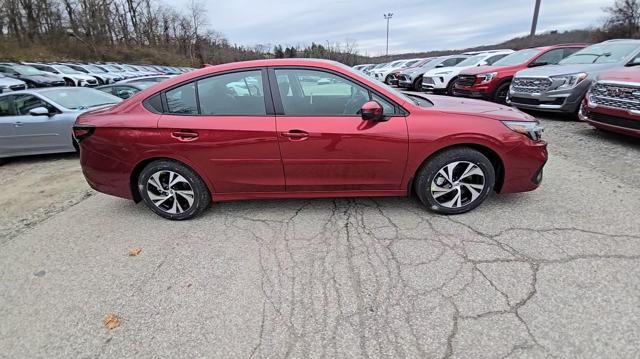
295 135
17 124
185 135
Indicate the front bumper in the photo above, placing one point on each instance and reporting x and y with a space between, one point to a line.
565 101
476 91
524 166
430 83
610 119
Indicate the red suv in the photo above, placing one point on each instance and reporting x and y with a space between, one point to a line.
300 128
613 102
492 82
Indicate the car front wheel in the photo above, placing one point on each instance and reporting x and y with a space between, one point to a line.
172 190
455 181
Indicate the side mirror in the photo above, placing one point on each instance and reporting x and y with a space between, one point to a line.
483 63
372 111
39 111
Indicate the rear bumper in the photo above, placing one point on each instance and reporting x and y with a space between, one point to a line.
105 174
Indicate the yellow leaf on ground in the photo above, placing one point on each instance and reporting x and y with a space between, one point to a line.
133 252
111 321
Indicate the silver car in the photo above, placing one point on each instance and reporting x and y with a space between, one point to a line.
8 84
561 88
40 121
412 78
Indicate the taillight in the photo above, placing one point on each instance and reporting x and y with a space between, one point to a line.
82 132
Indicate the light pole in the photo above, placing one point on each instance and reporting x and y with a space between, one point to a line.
534 22
388 17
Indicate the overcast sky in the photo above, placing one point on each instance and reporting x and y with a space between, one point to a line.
417 25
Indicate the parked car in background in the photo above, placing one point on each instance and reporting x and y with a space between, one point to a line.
39 121
101 75
384 73
392 77
30 75
116 70
360 67
561 88
411 78
125 90
369 71
71 77
442 79
153 78
189 141
613 102
8 84
492 82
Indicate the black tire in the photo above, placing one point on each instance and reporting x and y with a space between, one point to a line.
3 161
69 82
201 194
450 86
417 84
500 96
387 80
429 175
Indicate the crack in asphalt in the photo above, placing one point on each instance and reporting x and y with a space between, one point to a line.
352 276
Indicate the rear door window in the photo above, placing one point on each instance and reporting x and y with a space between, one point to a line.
182 100
236 93
5 106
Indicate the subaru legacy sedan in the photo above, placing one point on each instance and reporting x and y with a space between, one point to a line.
296 128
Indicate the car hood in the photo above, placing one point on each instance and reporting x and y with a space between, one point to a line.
81 76
8 81
626 74
476 70
554 70
477 108
453 70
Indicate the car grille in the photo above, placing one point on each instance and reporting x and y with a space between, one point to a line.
403 78
466 80
427 81
614 120
617 96
530 85
536 102
18 87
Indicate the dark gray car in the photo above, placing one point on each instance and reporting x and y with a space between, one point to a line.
39 121
561 88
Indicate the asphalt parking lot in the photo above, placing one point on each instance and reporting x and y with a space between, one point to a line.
551 273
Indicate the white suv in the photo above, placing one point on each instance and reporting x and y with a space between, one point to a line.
441 79
382 74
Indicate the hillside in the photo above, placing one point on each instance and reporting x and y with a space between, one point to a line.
518 43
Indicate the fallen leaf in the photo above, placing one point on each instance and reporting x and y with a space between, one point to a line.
111 321
133 252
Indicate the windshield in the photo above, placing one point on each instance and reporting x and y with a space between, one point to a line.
472 61
94 68
27 70
130 68
601 53
79 98
113 68
517 58
397 63
411 63
67 70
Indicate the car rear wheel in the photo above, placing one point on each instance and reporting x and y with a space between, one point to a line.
455 181
69 82
501 93
172 190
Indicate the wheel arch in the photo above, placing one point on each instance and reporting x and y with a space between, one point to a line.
137 169
492 155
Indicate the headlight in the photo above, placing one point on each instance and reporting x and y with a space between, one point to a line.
531 129
443 73
570 81
486 78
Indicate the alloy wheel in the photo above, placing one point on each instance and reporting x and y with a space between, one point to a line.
170 192
458 184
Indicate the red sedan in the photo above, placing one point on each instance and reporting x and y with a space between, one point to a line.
300 128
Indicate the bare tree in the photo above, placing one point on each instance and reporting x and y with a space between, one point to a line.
624 18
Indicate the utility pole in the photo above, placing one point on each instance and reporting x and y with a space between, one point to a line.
388 17
534 23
